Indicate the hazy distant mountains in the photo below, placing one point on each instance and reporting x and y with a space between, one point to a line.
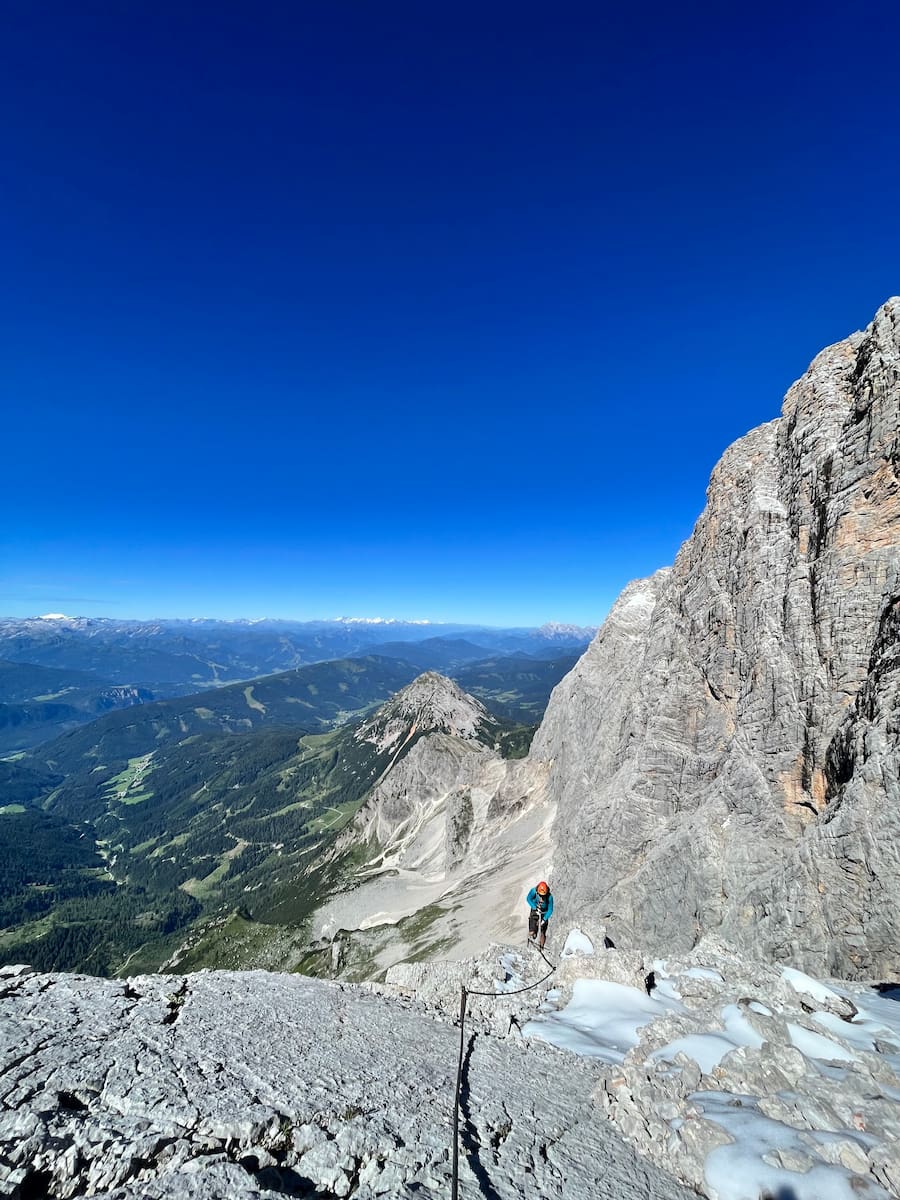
176 657
37 703
59 672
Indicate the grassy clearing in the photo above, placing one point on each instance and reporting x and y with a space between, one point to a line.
53 695
178 840
280 812
12 808
334 818
240 944
143 847
316 740
252 702
137 798
28 932
130 780
208 886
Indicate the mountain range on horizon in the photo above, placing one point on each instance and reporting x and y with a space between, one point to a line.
549 629
58 672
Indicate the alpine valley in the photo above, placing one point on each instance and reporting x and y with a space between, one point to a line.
326 831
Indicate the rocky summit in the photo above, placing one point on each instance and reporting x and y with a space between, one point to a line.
432 703
725 758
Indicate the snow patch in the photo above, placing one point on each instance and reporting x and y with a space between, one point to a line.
747 1169
577 943
805 985
602 1019
708 1049
814 1045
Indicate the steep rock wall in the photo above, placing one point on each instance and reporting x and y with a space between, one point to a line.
725 755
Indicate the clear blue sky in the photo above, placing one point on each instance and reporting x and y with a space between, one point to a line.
409 309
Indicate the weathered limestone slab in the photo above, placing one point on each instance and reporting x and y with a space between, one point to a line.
239 1085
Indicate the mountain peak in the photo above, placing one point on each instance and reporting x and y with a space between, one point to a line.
432 703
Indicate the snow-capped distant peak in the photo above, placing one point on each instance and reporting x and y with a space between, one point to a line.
376 621
54 617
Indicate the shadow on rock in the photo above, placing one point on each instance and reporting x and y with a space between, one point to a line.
288 1182
469 1135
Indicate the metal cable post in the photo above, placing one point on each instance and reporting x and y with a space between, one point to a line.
454 1187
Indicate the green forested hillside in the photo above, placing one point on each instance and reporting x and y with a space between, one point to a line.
180 806
209 825
38 703
312 698
181 812
516 687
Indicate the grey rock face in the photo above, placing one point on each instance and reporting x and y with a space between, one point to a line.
409 814
420 813
726 755
251 1084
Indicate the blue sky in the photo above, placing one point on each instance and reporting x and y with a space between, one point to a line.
414 310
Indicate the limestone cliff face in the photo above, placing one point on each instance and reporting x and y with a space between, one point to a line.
726 755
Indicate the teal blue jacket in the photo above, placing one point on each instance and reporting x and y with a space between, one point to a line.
534 901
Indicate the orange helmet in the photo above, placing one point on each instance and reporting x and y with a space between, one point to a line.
543 888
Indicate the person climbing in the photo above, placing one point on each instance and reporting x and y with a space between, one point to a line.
540 901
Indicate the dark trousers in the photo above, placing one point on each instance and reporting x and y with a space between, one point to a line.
536 922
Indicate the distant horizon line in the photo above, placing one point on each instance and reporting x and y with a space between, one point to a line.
342 620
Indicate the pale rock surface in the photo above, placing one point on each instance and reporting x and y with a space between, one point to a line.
725 757
242 1085
432 703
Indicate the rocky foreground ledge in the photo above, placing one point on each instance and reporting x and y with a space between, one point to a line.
248 1084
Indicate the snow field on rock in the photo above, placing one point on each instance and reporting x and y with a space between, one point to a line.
815 1114
708 1049
750 1166
601 1020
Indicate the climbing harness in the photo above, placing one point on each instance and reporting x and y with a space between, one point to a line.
465 993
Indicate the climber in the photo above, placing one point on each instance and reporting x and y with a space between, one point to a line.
540 901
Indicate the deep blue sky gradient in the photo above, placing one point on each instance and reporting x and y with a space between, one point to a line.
413 310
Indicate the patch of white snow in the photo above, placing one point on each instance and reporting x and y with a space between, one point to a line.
601 1020
805 985
577 943
741 1171
708 1049
814 1045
